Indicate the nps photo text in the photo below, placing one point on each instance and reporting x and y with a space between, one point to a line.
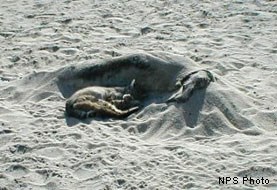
247 180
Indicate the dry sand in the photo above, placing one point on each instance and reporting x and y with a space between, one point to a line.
229 130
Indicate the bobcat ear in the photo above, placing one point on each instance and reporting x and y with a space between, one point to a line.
132 85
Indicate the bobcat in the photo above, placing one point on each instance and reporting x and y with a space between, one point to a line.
98 101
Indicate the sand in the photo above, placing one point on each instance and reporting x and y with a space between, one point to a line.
226 130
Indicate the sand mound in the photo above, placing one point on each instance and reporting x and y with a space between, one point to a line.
219 109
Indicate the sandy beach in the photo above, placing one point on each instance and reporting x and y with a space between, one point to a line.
223 137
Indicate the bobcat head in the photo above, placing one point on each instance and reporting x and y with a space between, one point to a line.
135 90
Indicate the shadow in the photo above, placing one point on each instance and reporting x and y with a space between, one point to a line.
191 108
72 121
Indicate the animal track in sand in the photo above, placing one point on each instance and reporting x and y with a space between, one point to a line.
17 170
50 152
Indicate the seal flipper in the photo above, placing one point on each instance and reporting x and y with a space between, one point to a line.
182 95
195 80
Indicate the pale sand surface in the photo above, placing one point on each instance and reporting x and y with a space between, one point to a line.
227 130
